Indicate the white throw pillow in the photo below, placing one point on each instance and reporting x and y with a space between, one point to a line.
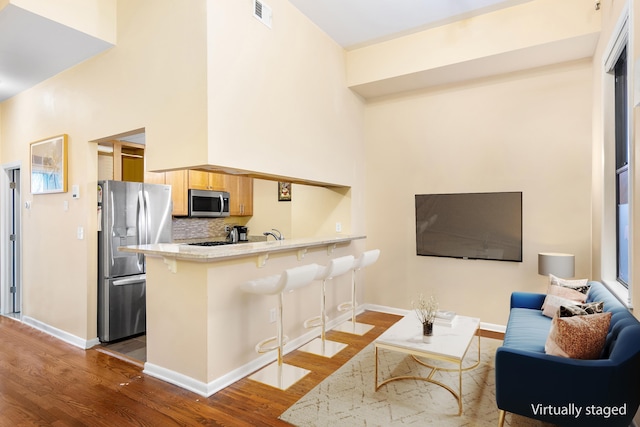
575 290
553 302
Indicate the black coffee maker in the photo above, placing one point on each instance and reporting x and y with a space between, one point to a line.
243 234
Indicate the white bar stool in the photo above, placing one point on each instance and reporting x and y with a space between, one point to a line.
279 374
322 346
351 326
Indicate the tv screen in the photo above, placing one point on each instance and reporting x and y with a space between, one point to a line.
470 225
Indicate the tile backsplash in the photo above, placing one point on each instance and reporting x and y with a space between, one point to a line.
197 228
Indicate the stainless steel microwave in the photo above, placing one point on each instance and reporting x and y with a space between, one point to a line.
208 204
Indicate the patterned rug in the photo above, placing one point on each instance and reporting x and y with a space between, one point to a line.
348 398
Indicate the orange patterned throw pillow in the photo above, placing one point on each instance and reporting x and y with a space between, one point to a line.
578 337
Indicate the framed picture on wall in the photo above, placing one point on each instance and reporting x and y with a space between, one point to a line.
284 191
49 165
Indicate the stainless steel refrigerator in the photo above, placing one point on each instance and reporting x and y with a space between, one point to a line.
131 213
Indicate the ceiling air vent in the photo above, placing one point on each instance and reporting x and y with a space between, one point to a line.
262 12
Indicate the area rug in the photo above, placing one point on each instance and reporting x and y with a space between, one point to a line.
348 398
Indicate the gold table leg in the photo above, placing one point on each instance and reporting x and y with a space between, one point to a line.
430 379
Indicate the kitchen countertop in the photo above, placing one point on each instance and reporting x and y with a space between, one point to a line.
181 251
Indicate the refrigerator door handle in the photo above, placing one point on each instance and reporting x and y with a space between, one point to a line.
130 280
111 221
147 217
141 219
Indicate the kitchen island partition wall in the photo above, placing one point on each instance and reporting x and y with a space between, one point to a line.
201 327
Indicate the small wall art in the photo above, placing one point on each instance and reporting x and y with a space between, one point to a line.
49 165
284 191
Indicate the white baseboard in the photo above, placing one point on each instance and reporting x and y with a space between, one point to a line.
176 378
59 333
386 309
493 327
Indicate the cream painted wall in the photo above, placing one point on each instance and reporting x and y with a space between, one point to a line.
316 210
279 102
529 132
149 80
506 40
313 210
268 213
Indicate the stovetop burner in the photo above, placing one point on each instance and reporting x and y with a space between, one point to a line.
217 243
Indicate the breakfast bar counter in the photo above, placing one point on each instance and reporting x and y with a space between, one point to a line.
261 250
202 329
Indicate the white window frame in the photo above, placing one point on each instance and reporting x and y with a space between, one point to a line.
608 256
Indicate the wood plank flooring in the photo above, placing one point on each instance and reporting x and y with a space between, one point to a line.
46 382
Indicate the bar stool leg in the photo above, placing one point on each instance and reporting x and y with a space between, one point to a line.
353 298
323 311
279 374
280 321
351 326
322 346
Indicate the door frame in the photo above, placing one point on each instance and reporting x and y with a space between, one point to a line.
5 230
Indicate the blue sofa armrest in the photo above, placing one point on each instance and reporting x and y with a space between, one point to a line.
530 384
527 300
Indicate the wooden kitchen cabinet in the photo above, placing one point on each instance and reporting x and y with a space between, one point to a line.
199 180
240 190
178 181
154 178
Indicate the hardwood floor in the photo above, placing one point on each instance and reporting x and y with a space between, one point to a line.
46 382
132 349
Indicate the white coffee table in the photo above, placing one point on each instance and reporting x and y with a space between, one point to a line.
449 344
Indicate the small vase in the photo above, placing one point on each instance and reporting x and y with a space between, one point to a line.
427 331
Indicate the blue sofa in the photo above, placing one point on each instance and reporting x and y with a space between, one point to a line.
563 391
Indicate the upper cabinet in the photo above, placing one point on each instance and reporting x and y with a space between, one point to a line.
154 178
178 181
199 180
240 190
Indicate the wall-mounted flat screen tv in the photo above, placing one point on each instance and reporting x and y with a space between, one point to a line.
470 225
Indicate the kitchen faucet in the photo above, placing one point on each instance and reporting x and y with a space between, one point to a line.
269 233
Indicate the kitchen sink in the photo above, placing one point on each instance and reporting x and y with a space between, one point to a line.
216 243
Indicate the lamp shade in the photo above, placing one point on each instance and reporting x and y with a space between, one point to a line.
561 265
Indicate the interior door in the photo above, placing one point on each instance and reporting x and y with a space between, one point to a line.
14 241
10 247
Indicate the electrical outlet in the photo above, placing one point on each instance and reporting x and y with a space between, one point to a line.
272 315
338 227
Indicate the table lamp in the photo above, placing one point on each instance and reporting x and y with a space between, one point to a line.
561 265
